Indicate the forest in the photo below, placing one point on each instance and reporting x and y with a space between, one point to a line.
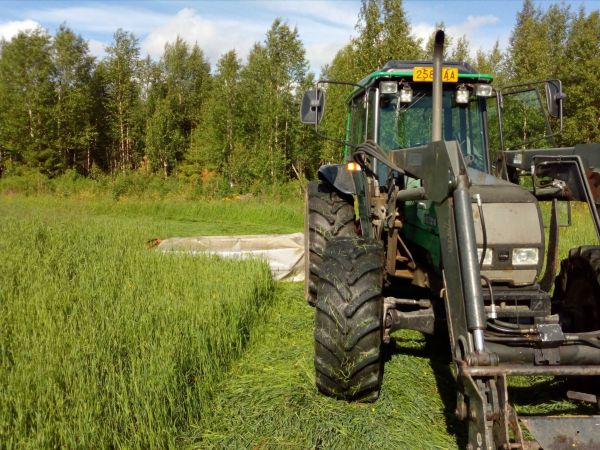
63 111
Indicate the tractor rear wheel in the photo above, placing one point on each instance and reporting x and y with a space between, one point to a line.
577 290
349 320
328 214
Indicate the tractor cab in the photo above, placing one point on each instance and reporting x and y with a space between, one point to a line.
394 108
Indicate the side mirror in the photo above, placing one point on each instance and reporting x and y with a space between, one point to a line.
313 106
554 97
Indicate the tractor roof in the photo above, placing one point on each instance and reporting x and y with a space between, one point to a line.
396 68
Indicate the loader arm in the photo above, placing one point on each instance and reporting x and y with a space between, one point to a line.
483 371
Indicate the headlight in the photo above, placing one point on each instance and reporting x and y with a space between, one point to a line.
525 256
483 90
406 94
388 87
518 158
489 256
462 95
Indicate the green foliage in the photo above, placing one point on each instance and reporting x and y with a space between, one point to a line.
164 139
75 132
269 111
215 145
177 94
27 96
384 34
558 43
143 186
580 78
491 62
123 97
454 50
237 128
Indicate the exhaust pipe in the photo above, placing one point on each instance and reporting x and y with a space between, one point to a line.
438 56
465 228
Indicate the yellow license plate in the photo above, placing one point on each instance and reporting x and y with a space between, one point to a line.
425 74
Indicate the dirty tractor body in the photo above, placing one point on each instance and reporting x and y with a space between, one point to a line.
435 223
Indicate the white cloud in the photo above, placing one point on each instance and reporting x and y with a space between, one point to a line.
214 36
471 28
422 30
322 53
335 14
324 26
97 48
101 18
10 29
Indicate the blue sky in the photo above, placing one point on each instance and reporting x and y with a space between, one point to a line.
218 26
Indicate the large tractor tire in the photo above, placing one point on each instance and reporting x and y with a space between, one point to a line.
349 320
328 214
577 290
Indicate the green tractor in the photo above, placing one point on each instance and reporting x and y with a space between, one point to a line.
435 223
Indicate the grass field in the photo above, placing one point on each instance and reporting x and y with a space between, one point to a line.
106 344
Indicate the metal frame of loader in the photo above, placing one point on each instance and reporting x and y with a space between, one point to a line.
485 358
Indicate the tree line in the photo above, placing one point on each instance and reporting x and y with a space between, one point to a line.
62 109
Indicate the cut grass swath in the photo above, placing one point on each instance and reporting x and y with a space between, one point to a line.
269 399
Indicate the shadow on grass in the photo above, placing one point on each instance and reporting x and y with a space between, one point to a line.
548 395
437 350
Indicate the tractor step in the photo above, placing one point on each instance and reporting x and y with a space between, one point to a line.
564 432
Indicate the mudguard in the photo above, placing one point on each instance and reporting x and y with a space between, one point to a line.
337 176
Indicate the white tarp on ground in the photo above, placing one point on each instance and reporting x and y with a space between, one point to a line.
283 252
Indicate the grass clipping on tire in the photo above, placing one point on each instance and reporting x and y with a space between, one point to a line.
348 323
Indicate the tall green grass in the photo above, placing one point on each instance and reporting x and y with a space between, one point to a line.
167 218
104 343
138 185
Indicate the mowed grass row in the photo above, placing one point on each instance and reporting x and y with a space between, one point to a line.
269 399
104 343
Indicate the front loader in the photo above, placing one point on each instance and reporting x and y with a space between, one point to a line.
435 222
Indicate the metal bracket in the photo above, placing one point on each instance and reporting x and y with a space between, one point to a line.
492 421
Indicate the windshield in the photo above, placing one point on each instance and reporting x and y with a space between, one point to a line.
403 125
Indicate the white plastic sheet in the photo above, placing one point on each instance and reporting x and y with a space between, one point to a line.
283 252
